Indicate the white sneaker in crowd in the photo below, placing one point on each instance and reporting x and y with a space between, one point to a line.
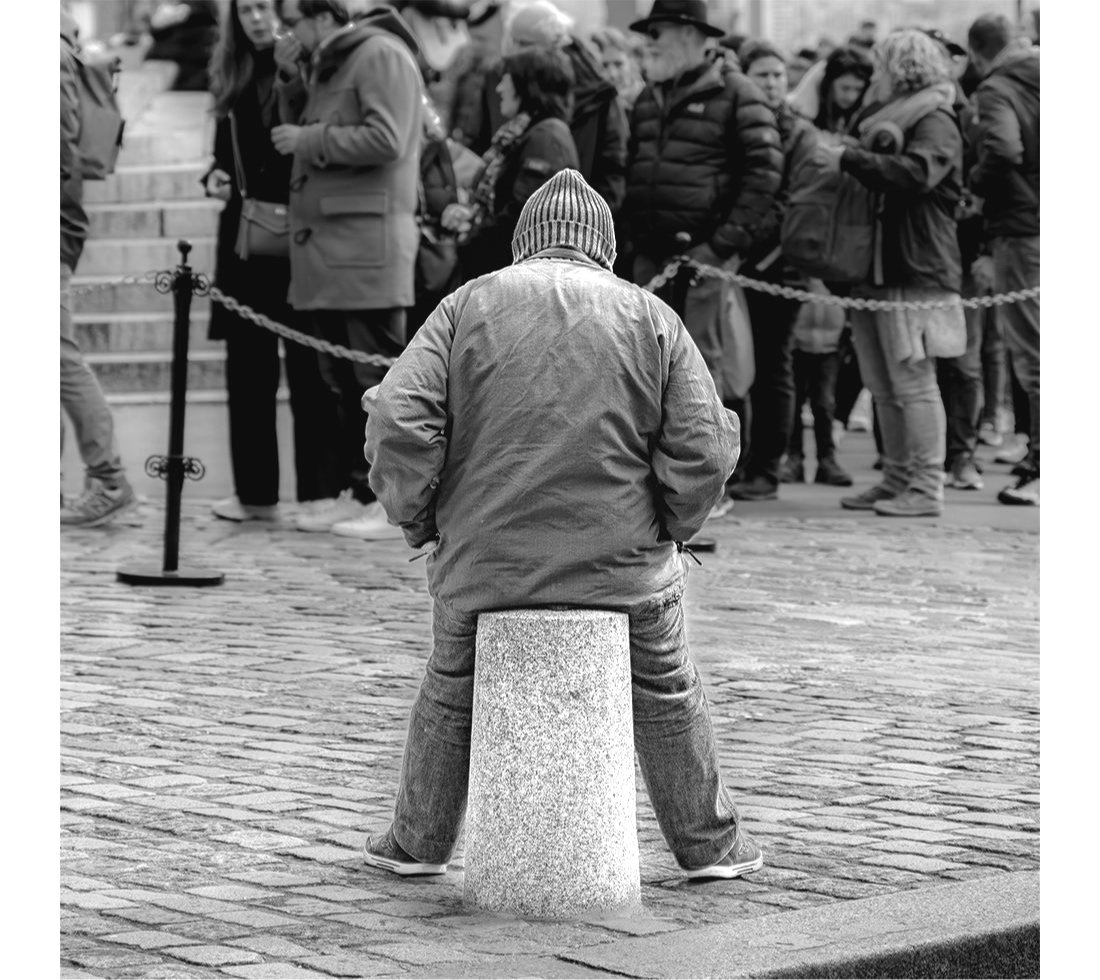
371 525
321 515
231 509
859 419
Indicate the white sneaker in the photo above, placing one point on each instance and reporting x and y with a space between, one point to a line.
1015 452
321 515
371 525
231 509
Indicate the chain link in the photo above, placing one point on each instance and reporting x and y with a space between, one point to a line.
852 303
92 287
669 272
287 333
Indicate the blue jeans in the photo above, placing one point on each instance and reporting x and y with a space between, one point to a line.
908 404
672 737
82 400
1016 266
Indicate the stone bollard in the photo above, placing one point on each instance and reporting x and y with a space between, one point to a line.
550 821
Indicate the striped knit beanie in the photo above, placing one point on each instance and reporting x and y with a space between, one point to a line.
565 211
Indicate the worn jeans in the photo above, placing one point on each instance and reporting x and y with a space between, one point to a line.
1016 266
369 332
907 400
83 402
672 737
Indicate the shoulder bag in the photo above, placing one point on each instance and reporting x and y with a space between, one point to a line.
264 227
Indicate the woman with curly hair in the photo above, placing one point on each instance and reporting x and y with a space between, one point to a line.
910 152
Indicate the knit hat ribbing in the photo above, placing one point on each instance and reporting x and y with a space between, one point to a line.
566 211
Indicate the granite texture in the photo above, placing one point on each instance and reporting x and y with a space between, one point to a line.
550 823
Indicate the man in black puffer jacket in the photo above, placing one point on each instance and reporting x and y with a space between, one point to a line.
703 169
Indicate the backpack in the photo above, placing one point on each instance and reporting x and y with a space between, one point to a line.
101 121
830 230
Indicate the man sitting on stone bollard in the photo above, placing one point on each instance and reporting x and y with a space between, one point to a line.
553 431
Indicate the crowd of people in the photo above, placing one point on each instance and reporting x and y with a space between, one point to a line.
403 170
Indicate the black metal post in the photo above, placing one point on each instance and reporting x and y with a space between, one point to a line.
175 466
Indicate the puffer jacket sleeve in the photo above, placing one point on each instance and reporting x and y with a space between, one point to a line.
699 440
406 434
757 159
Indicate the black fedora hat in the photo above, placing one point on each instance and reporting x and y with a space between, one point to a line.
693 12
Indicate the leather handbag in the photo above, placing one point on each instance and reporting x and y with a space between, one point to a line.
264 228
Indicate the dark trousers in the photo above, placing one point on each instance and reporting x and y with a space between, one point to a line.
994 366
767 413
961 388
369 332
1016 266
252 373
815 379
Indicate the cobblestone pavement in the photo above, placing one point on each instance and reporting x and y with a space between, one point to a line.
874 686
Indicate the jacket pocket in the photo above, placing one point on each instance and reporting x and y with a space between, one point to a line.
354 232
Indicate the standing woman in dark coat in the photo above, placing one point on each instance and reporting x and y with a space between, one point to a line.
242 82
531 146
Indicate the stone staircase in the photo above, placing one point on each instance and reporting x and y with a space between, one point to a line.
137 215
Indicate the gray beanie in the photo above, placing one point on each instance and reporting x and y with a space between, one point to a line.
565 211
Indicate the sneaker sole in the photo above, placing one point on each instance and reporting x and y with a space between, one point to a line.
727 871
126 508
965 485
402 868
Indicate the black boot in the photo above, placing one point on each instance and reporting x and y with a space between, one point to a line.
830 472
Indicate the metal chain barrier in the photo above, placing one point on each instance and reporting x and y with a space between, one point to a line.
288 333
94 287
669 272
852 303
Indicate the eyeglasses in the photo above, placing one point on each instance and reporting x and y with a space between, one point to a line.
654 32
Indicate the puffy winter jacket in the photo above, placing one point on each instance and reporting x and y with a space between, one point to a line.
705 159
921 188
557 427
1007 172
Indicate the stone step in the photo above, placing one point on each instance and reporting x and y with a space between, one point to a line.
141 332
139 84
128 256
144 371
174 127
107 295
163 182
155 219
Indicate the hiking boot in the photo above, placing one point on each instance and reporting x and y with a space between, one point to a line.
231 509
384 852
965 475
98 504
831 473
867 499
321 515
1025 493
371 525
744 858
1015 453
793 470
989 436
912 503
756 488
